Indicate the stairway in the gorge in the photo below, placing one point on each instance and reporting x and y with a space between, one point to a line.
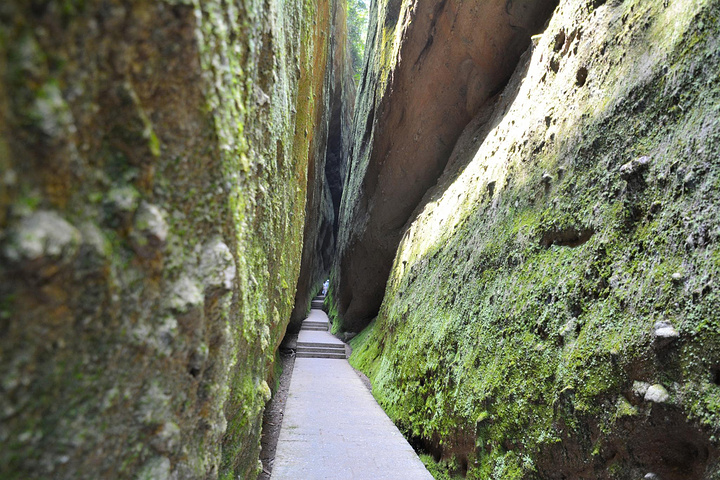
332 428
314 340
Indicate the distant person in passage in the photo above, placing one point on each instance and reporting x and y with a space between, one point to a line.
326 285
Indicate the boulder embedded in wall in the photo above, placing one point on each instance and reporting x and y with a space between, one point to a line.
153 176
431 66
551 310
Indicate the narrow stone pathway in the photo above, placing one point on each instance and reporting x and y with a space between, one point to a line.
332 428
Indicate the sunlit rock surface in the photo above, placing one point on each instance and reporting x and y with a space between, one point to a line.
431 66
551 311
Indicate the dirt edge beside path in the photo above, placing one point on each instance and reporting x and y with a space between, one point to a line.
274 411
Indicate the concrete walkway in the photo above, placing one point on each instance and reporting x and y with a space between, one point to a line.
332 427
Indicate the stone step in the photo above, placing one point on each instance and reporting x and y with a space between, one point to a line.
318 344
321 349
338 356
314 329
315 324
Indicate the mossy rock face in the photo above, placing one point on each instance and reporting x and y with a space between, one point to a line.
431 66
328 164
551 311
153 181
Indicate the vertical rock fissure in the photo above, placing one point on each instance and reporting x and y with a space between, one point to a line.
329 159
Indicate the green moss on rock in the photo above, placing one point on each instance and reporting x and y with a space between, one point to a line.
157 154
523 298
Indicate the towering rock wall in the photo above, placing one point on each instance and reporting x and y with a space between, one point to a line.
431 66
323 204
154 161
551 311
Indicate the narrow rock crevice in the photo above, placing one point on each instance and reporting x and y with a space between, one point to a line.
329 162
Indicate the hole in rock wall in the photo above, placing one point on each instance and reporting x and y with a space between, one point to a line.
568 237
581 76
491 188
559 41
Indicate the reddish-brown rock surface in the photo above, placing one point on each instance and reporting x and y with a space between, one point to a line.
430 68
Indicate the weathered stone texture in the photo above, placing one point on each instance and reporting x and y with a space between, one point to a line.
431 66
153 178
328 168
552 307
